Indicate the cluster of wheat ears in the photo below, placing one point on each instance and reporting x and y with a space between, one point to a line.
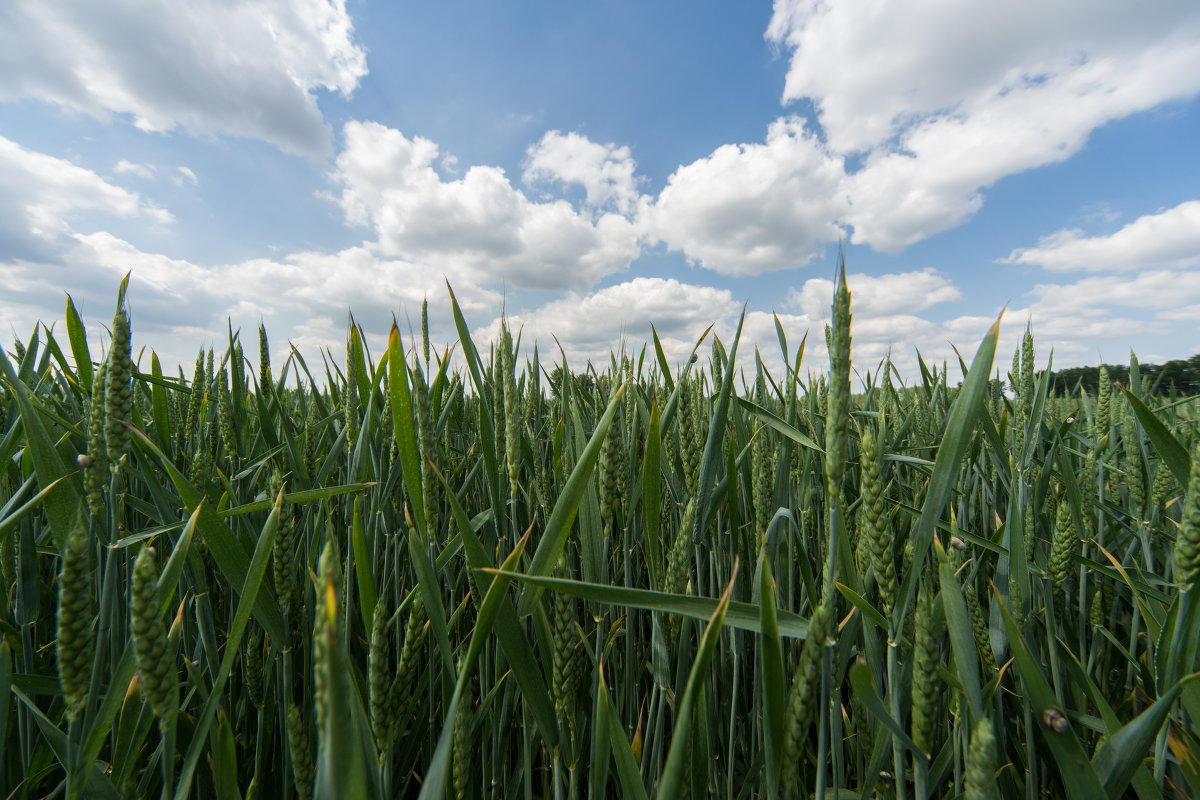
400 578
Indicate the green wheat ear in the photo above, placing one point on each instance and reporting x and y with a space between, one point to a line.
980 628
837 418
802 699
118 391
329 626
300 748
425 431
925 685
95 475
195 402
400 697
1064 543
76 614
679 564
461 738
1103 404
566 670
512 408
425 330
379 674
225 415
876 526
1187 541
609 483
350 399
264 359
252 664
156 665
979 782
1027 377
761 466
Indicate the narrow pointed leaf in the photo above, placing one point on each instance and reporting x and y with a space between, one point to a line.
962 639
434 787
77 337
743 616
558 527
774 687
651 497
404 427
628 770
62 501
1172 451
246 601
716 437
1124 751
158 396
508 628
672 781
864 690
1074 767
960 423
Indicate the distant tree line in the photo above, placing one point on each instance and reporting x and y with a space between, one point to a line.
1181 376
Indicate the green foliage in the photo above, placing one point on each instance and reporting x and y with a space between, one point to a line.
399 579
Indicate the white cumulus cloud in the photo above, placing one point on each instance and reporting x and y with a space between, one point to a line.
178 305
247 69
39 194
750 208
969 94
605 171
1156 290
478 225
1170 238
873 68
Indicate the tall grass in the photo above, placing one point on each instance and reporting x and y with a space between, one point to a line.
396 578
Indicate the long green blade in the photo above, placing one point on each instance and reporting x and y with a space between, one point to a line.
559 525
960 422
672 782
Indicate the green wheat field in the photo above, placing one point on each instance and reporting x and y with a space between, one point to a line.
378 575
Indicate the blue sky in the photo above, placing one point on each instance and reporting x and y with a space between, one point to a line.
593 168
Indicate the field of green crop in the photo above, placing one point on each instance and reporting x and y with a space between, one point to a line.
380 575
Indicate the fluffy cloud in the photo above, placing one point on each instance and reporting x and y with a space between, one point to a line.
303 297
930 120
937 117
877 296
750 208
590 326
605 171
479 225
931 182
962 57
1096 317
50 210
39 194
244 69
1157 290
1169 238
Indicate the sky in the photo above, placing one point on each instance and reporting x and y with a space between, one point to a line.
590 169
